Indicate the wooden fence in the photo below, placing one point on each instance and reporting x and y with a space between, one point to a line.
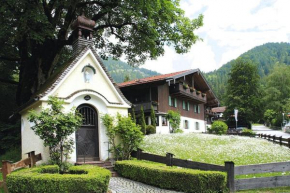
229 167
275 139
8 167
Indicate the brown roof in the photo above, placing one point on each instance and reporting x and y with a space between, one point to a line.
218 109
56 78
150 79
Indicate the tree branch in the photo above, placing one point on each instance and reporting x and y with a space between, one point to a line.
102 4
119 26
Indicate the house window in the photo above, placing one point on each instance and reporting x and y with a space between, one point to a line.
197 125
196 108
169 101
164 121
172 101
185 105
157 120
175 102
186 124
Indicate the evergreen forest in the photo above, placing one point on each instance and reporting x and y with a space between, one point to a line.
265 57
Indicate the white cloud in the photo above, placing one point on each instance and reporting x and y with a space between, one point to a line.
230 29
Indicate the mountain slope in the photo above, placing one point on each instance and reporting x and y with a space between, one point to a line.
119 70
264 56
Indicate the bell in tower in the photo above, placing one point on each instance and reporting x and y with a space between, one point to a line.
82 33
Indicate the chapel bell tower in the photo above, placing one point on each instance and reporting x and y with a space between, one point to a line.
82 33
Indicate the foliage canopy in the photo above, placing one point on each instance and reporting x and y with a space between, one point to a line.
37 33
243 92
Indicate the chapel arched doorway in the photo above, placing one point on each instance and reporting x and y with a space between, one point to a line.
87 139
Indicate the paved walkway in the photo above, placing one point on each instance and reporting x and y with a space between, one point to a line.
265 130
123 185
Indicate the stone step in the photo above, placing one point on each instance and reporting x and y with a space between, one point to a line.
105 164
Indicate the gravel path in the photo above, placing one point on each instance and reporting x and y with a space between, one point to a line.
123 185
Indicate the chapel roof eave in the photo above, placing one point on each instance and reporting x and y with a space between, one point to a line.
56 78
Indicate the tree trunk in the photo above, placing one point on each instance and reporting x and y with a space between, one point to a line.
37 68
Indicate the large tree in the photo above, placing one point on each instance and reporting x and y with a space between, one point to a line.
34 34
243 92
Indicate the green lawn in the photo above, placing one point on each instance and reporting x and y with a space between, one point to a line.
218 149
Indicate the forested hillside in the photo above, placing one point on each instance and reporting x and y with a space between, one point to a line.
265 57
119 70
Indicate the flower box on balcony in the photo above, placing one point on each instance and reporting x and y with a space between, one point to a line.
185 86
191 89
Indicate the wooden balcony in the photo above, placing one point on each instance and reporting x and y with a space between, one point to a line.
210 113
146 106
185 93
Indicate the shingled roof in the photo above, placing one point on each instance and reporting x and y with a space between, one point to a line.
151 79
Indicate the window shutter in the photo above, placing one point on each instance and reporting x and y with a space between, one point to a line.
169 98
175 102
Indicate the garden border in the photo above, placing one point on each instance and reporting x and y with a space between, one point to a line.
231 170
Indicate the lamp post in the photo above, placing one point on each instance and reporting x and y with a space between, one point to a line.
236 117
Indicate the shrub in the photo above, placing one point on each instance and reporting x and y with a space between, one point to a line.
150 129
218 127
83 179
54 127
180 179
174 119
248 132
178 131
128 133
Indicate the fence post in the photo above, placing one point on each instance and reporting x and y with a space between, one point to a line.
169 157
280 140
289 142
274 138
139 152
230 169
6 169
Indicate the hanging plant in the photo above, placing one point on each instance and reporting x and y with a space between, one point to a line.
185 86
203 94
191 89
198 92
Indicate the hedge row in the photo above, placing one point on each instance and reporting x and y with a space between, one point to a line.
180 179
43 179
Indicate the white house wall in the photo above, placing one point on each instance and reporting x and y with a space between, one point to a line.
192 126
30 141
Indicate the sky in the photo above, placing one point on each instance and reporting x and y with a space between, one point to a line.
231 27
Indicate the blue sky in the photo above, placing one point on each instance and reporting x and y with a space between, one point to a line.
231 27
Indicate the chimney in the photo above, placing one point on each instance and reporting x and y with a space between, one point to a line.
82 33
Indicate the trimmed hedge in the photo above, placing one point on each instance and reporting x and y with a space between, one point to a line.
180 179
42 179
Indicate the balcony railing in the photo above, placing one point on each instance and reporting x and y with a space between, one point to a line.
179 91
210 113
146 106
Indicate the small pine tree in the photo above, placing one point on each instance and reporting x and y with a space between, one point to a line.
127 78
133 116
142 121
153 117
